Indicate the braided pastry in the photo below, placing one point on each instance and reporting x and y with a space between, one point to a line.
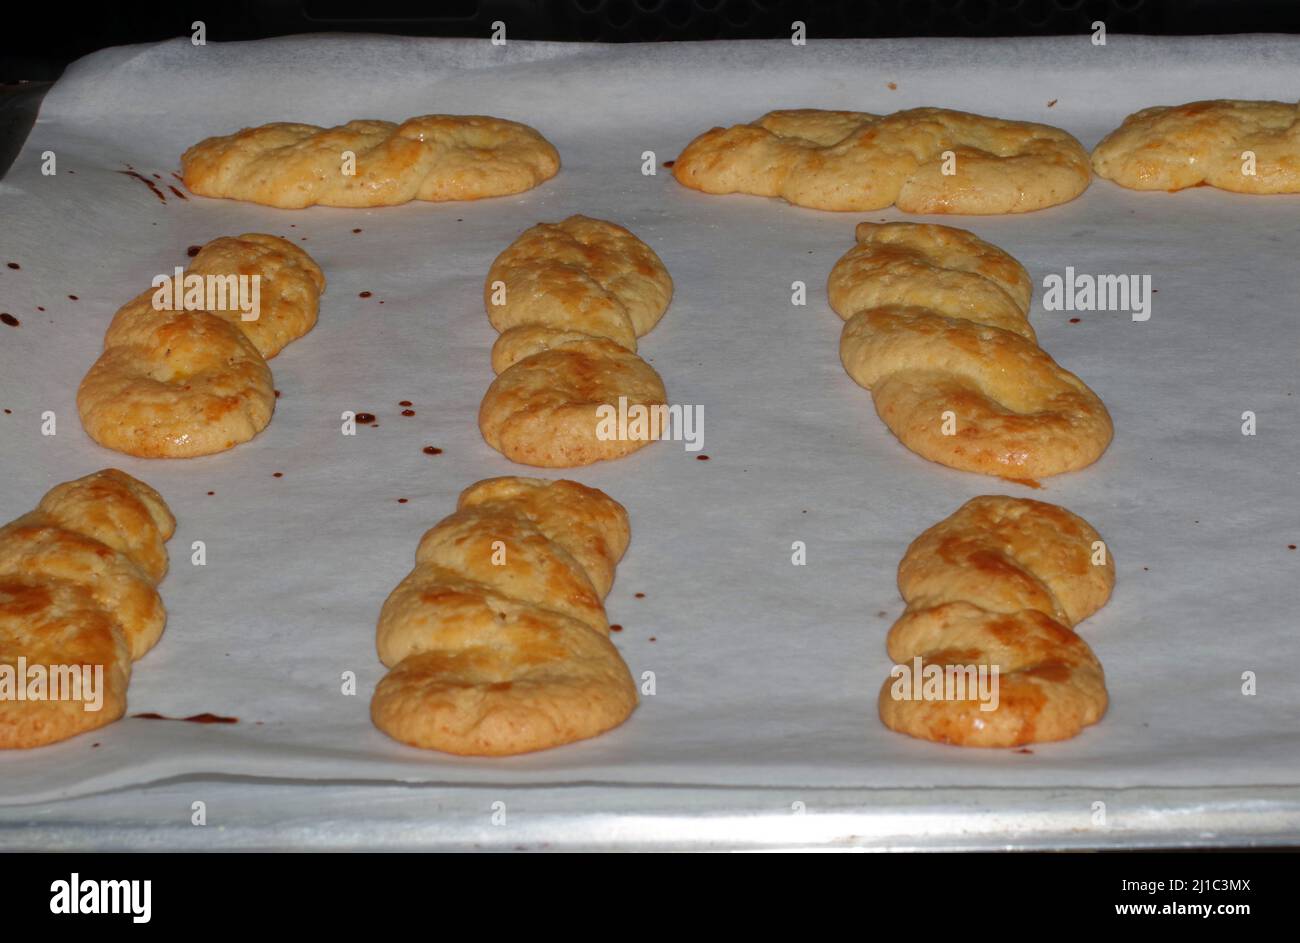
1002 582
497 640
181 383
570 300
851 160
937 323
1200 143
432 157
78 580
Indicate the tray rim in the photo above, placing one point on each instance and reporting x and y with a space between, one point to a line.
271 815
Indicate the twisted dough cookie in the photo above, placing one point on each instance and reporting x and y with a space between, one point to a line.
1201 143
497 640
181 383
577 295
851 160
432 157
78 580
1002 582
937 322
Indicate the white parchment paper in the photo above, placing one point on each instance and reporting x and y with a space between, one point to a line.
766 673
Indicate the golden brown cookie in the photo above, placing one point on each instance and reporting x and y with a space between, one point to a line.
937 329
1000 583
291 285
849 160
183 383
432 157
1205 143
78 580
570 300
497 641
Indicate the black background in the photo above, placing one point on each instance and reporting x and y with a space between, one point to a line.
943 896
57 33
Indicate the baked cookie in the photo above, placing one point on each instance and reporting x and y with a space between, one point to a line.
937 329
851 160
78 580
1205 144
432 157
1001 584
570 300
187 382
291 286
497 641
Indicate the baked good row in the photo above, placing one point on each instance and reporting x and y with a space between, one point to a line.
497 642
922 160
936 327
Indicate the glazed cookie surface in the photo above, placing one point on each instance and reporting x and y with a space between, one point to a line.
78 578
937 328
845 160
1000 584
182 382
1206 143
498 641
570 300
431 157
291 285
